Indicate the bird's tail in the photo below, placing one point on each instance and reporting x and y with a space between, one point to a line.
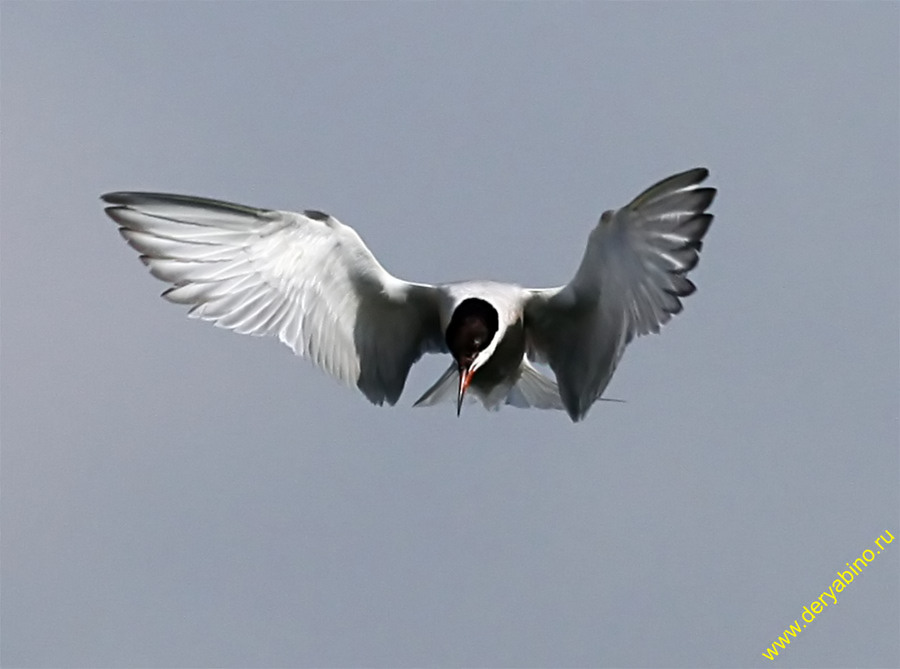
533 389
443 390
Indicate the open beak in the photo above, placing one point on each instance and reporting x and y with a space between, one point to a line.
465 378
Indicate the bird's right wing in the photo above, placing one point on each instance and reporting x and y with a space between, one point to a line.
305 278
629 283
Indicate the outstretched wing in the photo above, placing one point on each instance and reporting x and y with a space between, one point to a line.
629 283
305 278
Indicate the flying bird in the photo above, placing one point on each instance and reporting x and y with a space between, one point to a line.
310 280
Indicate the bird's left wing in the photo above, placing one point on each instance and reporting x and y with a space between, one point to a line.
629 283
305 278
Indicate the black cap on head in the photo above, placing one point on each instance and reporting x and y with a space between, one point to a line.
471 329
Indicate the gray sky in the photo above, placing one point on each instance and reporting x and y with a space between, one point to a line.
177 495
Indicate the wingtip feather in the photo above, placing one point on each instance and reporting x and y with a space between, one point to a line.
674 183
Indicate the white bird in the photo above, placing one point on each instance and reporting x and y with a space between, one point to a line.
312 282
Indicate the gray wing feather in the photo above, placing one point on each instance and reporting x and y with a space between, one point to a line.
305 278
629 283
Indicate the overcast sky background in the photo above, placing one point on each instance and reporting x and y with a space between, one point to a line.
177 495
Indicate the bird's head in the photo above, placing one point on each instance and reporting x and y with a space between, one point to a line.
472 338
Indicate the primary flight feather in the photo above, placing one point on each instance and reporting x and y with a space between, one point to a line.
312 282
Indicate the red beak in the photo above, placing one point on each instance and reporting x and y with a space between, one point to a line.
465 378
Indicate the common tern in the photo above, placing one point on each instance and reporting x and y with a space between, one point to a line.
311 281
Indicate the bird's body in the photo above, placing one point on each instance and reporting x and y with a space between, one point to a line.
311 281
